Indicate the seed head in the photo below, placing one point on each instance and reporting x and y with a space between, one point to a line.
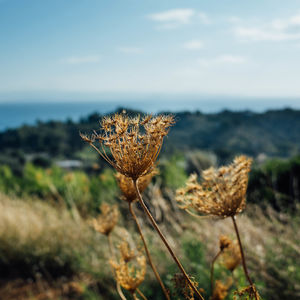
231 256
127 254
222 192
127 188
130 275
221 290
107 220
224 242
134 143
249 292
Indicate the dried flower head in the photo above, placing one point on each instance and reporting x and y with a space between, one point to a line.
221 290
248 292
127 254
182 285
107 220
224 242
127 188
128 274
231 256
134 143
222 192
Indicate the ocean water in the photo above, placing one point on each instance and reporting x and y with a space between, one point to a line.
13 115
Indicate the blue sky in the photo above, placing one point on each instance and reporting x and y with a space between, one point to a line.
88 49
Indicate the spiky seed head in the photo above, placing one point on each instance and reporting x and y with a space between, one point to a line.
128 274
222 192
127 188
107 220
249 292
134 143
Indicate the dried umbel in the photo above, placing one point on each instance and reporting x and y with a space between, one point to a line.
224 242
250 292
231 257
221 290
126 253
127 188
107 220
182 285
130 275
134 143
222 192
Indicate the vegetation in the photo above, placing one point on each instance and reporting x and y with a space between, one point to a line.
49 249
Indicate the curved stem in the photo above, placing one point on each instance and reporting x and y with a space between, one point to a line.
112 252
242 254
212 271
154 224
134 296
147 251
141 294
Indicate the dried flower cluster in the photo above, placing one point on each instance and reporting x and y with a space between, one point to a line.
107 220
127 254
221 290
222 192
131 269
182 285
224 242
249 292
134 143
127 188
231 256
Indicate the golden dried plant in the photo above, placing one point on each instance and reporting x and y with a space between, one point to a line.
248 293
127 188
224 242
182 285
107 220
134 143
127 254
222 192
128 274
221 290
231 257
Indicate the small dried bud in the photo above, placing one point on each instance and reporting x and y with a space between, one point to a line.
231 256
224 242
107 220
127 188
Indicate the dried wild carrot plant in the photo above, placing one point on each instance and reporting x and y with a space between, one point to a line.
222 193
129 195
130 270
105 224
135 144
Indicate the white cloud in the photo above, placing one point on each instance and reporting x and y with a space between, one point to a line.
76 60
222 59
181 16
276 30
130 50
174 18
193 45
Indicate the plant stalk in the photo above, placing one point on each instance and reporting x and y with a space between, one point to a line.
212 271
112 252
154 224
141 294
242 254
147 251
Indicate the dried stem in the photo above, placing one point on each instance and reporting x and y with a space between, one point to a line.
147 251
243 255
154 224
112 252
212 271
141 294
